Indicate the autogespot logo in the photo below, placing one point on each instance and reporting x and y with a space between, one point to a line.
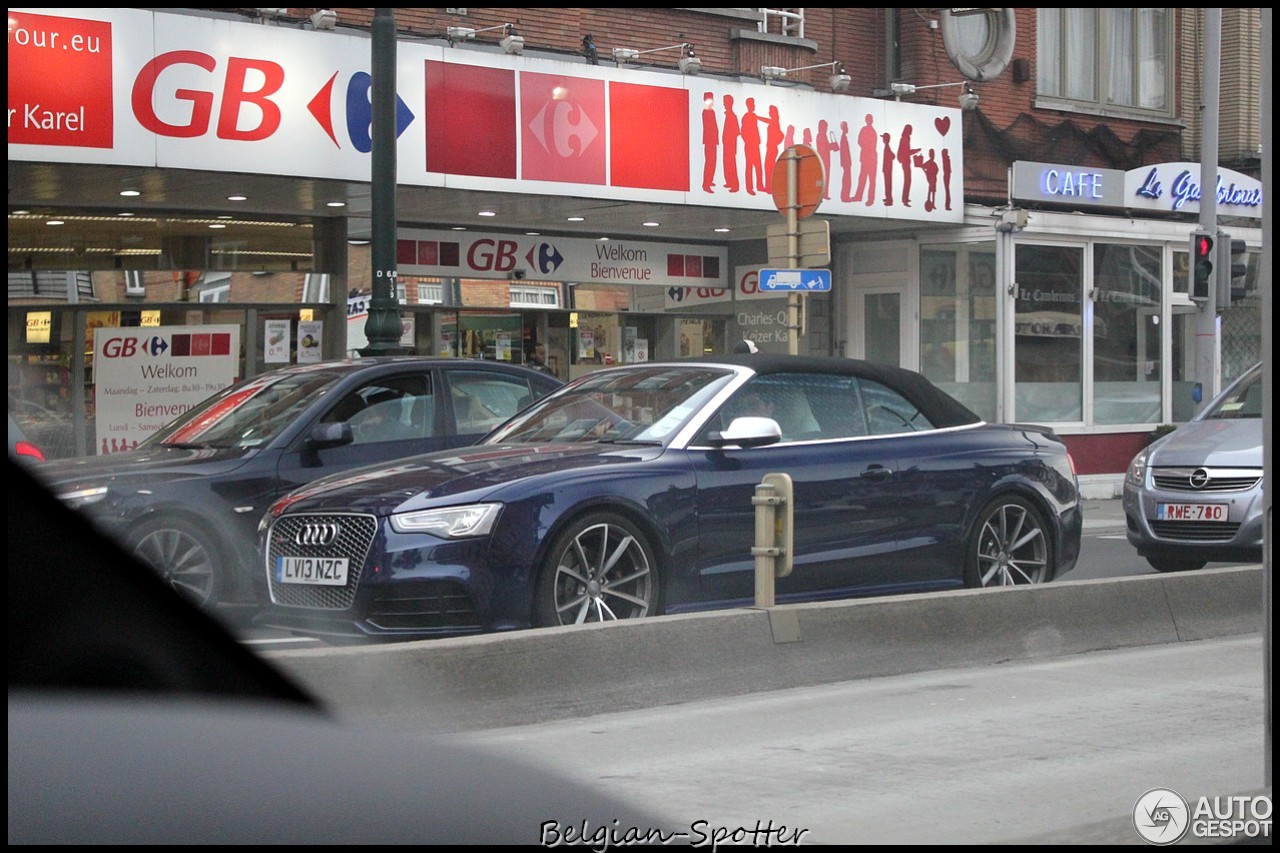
1161 816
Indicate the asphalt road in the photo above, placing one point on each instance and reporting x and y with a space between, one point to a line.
1049 752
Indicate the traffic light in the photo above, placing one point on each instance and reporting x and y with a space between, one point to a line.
1239 266
1202 261
1233 269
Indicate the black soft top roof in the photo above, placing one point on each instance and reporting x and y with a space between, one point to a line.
941 408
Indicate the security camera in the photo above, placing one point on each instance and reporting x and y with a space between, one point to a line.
840 82
969 100
519 275
689 64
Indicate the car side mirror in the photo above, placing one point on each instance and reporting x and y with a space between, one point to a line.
331 435
748 432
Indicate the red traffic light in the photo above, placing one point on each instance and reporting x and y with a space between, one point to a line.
1204 247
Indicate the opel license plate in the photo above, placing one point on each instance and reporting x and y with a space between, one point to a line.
1191 512
322 571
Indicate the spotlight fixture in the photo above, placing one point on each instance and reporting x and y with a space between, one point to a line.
968 97
510 42
688 62
324 19
589 50
839 79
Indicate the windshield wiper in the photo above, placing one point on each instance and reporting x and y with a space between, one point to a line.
644 441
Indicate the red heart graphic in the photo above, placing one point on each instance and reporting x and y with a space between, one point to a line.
942 124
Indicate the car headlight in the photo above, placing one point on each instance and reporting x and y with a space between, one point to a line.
83 497
1137 473
455 522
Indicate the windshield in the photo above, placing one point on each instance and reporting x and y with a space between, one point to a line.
248 414
646 405
1242 401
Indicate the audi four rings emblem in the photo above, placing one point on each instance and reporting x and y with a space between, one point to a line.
1199 478
316 535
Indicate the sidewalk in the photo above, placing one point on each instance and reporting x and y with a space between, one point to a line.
1103 514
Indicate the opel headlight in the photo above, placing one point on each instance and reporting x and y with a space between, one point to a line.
455 522
1137 473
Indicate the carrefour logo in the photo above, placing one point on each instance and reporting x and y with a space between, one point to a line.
359 111
545 258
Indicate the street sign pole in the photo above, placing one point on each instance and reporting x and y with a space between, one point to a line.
793 251
799 163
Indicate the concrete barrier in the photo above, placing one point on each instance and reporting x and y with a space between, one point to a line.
533 676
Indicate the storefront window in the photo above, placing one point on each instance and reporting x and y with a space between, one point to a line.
1126 334
957 323
1048 319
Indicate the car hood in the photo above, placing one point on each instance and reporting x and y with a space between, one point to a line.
153 463
1235 443
465 474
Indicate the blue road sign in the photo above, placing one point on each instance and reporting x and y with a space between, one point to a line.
795 280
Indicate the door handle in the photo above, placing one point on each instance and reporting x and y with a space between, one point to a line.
877 472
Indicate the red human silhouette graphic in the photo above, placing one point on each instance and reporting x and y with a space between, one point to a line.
730 149
930 169
887 166
846 164
826 145
710 140
946 176
753 167
773 145
868 143
905 159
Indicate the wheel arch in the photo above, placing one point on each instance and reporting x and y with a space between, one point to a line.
657 540
1038 499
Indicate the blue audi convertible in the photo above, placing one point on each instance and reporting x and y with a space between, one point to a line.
628 493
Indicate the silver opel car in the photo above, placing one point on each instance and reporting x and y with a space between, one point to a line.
1195 495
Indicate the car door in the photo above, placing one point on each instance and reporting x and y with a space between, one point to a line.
848 514
391 416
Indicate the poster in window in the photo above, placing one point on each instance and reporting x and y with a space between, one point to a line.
276 337
310 338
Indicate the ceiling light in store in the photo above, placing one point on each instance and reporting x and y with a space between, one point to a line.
237 198
651 224
487 213
335 204
576 219
130 193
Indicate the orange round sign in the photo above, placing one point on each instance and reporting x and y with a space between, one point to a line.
810 180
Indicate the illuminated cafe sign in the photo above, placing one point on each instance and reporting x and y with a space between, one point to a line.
1163 188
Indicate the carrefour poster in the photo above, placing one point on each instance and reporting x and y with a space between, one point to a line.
146 377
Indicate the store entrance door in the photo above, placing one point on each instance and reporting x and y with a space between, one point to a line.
880 335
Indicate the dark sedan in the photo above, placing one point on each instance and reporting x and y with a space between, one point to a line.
188 499
628 493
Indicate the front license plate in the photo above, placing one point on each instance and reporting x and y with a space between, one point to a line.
331 571
1191 512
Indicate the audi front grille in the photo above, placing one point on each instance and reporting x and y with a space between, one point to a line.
323 536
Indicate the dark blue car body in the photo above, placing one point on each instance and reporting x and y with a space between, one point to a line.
899 508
